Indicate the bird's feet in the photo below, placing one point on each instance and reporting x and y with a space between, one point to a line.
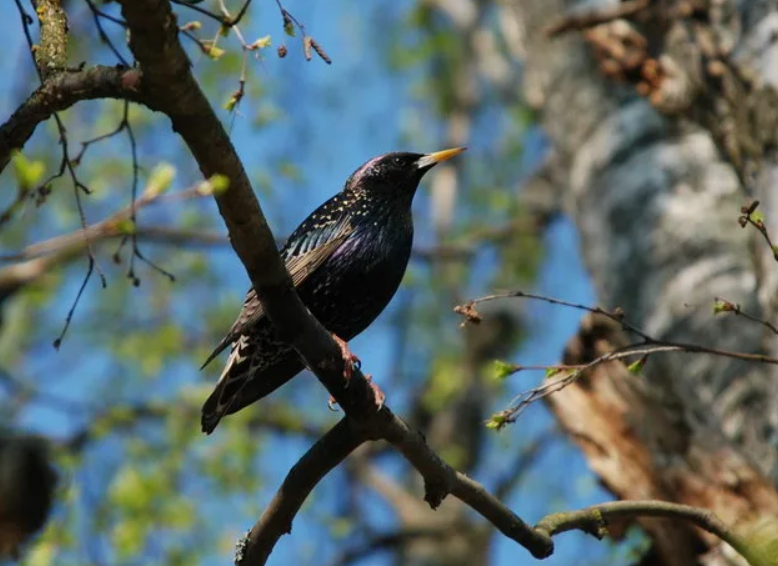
378 396
350 360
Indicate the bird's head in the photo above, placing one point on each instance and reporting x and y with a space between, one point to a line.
395 174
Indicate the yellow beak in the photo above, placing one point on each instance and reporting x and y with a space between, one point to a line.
433 158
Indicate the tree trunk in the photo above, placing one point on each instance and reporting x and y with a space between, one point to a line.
656 193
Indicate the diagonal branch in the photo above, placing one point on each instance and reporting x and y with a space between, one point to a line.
330 450
169 82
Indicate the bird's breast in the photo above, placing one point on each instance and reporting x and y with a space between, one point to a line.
359 280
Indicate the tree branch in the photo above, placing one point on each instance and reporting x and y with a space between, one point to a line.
62 91
168 81
51 54
115 225
567 374
440 479
329 451
42 257
593 520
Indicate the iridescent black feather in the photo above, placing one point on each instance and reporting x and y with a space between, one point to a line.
346 260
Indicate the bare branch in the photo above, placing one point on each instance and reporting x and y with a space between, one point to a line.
226 20
594 519
169 81
617 315
98 16
439 478
565 375
44 256
329 451
62 91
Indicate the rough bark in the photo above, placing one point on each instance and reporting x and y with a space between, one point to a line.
645 445
656 200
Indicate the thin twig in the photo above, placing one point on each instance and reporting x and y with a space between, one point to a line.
112 226
617 315
750 215
723 305
308 42
565 375
78 186
224 20
97 16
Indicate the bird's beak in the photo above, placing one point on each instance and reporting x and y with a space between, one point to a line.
431 159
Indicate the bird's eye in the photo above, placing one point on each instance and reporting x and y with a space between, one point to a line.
397 161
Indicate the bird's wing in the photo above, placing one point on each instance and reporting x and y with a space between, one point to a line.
300 266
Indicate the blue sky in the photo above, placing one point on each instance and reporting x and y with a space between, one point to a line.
333 118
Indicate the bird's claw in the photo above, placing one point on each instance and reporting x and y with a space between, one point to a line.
350 363
350 360
378 396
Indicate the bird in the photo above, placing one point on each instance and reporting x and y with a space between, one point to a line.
346 261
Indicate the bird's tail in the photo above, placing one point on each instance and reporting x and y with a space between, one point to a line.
256 367
228 388
213 410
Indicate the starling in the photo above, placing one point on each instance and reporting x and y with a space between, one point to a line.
346 261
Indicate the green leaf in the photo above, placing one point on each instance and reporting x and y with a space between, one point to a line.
720 306
216 184
28 173
261 43
497 421
637 366
231 102
551 372
209 48
126 227
160 179
501 370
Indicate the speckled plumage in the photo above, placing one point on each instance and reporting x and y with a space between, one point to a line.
346 260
